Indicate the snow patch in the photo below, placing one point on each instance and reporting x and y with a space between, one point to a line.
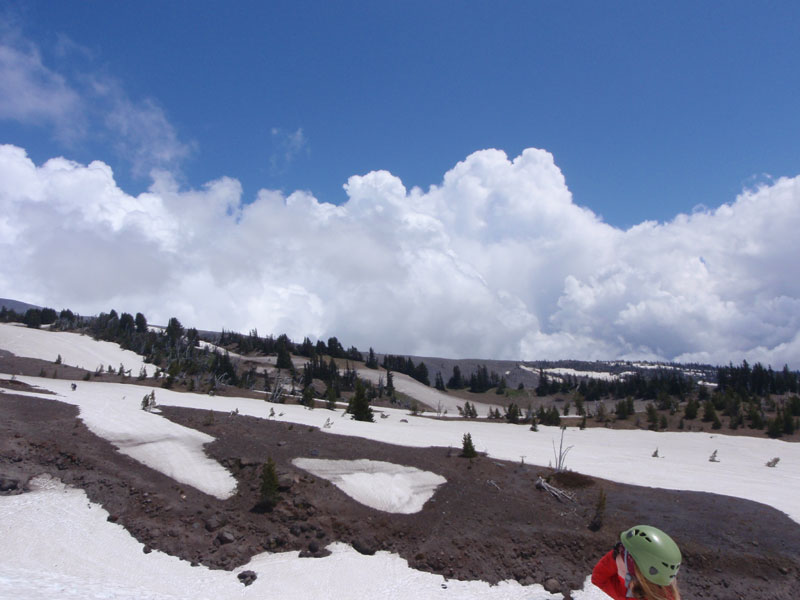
113 411
380 485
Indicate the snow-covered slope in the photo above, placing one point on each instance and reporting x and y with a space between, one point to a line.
56 544
440 402
683 462
75 350
42 529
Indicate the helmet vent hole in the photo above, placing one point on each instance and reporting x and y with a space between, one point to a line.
653 571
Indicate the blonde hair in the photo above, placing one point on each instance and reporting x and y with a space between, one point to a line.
646 589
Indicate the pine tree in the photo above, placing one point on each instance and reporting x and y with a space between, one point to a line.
691 408
709 412
389 384
467 447
599 511
652 415
512 413
359 404
284 358
308 397
579 408
372 360
456 382
330 398
788 423
543 387
420 373
174 330
470 412
756 419
439 385
141 323
269 494
775 426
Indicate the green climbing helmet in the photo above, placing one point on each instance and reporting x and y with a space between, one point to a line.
654 552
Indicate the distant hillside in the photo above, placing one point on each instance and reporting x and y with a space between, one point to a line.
526 372
16 305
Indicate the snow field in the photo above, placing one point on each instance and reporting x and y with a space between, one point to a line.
113 412
422 393
56 544
76 350
623 456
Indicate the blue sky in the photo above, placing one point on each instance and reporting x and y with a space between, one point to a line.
649 108
499 180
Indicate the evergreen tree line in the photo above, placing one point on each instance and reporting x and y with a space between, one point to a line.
745 410
757 380
637 385
252 343
174 349
36 317
479 381
329 373
333 348
405 365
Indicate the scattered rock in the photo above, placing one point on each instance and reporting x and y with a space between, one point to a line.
247 577
215 522
8 484
363 547
552 585
226 537
147 549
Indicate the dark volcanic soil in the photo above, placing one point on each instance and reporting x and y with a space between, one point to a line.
487 522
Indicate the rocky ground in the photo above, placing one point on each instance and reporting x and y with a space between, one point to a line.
487 522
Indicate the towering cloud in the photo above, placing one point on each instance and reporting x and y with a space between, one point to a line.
496 261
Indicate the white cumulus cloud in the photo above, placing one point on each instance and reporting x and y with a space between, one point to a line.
496 261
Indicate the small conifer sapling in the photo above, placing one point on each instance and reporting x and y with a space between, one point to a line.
467 447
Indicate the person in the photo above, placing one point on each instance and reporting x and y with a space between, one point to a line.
643 564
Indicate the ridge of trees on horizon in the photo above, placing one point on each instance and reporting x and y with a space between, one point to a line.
163 348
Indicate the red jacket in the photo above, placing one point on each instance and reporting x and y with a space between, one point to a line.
605 576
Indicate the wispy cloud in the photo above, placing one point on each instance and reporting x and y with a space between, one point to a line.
287 146
32 93
143 133
85 105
